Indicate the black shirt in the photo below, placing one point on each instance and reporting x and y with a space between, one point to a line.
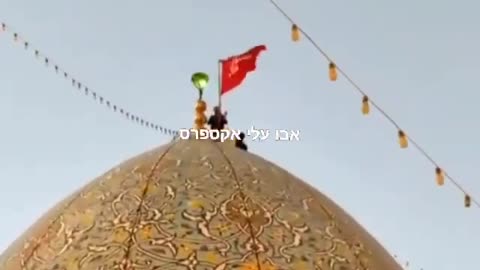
241 145
215 123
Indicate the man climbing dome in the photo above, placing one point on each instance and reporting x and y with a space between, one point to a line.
240 143
217 120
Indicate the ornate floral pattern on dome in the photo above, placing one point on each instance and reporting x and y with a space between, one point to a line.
196 205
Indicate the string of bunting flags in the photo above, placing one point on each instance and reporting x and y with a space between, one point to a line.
296 35
333 70
87 91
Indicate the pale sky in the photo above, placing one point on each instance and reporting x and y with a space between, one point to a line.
417 59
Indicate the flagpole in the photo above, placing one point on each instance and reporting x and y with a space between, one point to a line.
220 84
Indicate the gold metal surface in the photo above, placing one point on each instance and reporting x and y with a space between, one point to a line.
196 205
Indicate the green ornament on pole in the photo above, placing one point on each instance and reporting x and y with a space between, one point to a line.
200 81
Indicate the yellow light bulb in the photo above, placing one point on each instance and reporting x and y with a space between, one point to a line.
440 177
365 106
295 33
332 70
402 139
468 201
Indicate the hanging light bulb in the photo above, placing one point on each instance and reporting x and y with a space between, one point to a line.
295 33
332 68
468 201
402 139
365 105
440 176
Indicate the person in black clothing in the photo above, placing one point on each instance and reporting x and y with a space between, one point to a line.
217 120
240 144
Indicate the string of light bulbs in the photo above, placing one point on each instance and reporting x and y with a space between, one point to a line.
297 32
84 88
403 139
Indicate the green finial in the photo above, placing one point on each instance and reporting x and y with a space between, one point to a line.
200 81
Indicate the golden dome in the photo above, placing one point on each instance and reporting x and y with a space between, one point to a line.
196 205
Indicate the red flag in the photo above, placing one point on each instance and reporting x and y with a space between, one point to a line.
236 68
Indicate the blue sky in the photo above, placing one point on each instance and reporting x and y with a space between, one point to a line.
417 59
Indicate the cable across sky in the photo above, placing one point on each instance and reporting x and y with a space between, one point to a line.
441 174
403 138
82 87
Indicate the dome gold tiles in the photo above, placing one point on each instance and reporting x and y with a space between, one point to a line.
196 205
